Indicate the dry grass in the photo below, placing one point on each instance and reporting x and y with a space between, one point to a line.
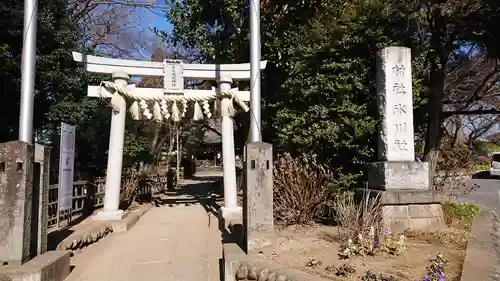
300 194
452 236
355 218
131 183
452 165
240 186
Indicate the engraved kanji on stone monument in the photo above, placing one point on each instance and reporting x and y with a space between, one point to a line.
394 98
408 201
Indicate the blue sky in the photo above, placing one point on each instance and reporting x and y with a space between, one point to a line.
144 20
161 22
156 19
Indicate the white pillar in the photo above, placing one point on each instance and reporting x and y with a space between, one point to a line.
231 208
111 209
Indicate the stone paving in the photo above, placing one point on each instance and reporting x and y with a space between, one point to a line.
167 243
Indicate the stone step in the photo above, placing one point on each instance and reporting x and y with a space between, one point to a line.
173 195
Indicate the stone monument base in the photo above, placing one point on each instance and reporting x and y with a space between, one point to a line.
109 216
406 209
231 215
50 266
398 175
259 239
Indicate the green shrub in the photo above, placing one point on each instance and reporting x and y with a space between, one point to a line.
459 214
478 167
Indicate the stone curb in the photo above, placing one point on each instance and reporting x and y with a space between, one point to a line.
239 266
480 255
81 239
130 219
99 229
49 266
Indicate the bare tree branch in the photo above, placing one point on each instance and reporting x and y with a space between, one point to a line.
115 28
472 112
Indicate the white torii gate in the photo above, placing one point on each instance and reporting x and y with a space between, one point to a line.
174 72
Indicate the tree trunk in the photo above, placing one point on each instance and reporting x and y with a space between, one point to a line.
456 132
437 60
156 136
434 125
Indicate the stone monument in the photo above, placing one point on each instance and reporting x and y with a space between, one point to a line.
16 174
400 182
19 220
41 195
258 217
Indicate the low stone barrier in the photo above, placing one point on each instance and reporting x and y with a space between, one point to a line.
239 266
96 230
84 238
50 266
480 257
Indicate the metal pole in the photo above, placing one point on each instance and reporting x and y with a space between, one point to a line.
28 66
255 117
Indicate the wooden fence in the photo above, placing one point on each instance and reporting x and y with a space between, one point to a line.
89 196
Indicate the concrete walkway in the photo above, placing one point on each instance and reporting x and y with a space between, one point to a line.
170 242
481 258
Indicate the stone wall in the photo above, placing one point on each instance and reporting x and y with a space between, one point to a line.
424 217
407 209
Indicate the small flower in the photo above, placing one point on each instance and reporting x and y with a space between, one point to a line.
435 271
401 238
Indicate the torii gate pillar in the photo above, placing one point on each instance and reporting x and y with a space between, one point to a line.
231 208
111 209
